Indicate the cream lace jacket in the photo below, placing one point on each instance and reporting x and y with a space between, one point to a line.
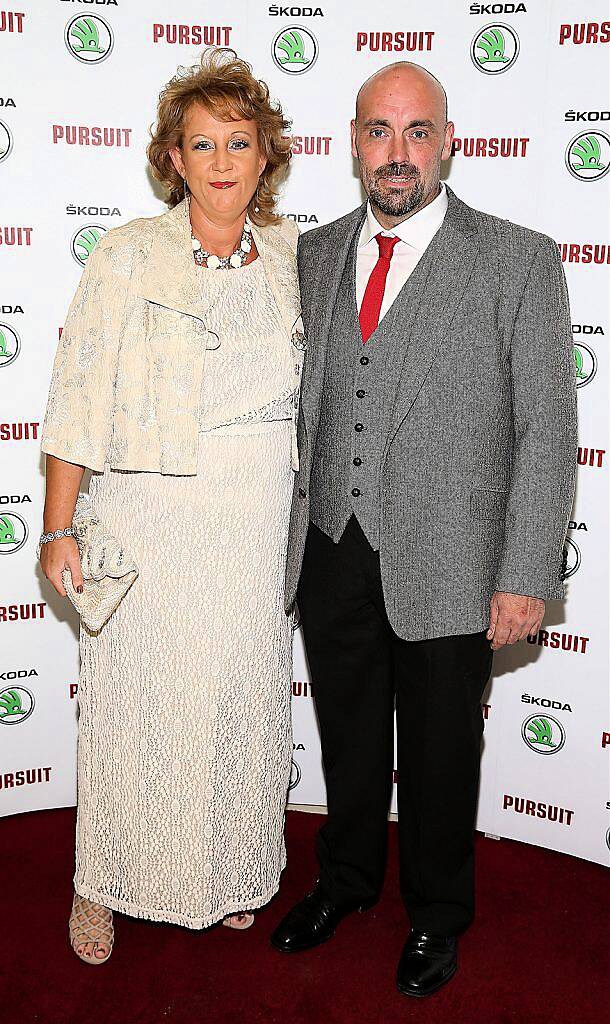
127 375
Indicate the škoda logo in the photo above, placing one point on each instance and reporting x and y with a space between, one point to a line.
495 49
89 38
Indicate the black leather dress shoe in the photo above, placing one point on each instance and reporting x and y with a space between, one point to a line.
309 923
427 962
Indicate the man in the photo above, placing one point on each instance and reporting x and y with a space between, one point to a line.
438 453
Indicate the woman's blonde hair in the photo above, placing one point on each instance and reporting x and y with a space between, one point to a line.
225 86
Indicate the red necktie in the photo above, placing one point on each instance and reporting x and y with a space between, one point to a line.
373 295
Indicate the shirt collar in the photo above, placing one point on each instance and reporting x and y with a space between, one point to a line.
416 231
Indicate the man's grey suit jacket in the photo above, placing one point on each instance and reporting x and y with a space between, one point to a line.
478 468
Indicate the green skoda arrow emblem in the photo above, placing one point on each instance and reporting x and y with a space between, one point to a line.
13 533
543 734
588 156
294 49
291 43
579 362
494 49
585 362
7 531
493 46
585 154
9 345
86 36
89 38
16 704
540 732
85 240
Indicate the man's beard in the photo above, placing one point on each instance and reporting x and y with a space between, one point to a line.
393 203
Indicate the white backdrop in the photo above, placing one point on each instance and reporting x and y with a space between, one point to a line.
528 91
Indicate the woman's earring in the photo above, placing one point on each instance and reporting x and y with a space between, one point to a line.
187 190
257 208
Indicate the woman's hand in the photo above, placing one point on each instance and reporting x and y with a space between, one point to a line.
63 481
58 555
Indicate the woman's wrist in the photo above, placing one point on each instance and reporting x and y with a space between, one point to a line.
51 535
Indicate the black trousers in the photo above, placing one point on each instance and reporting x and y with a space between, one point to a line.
360 670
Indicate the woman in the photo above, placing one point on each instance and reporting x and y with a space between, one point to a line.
176 381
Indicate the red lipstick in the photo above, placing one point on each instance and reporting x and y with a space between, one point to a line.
222 184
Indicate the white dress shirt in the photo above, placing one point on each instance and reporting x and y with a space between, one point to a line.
415 235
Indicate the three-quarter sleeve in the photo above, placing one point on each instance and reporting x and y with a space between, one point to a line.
79 416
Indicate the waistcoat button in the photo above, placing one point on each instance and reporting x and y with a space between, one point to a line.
356 492
359 427
357 461
360 393
364 360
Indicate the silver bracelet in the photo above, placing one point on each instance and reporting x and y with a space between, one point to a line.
46 538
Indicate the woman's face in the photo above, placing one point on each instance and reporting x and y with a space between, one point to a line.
221 162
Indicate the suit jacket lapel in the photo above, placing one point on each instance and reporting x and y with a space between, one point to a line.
452 255
323 296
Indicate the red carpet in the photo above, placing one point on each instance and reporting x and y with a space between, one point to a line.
537 954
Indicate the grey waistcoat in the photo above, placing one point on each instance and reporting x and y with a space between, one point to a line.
360 384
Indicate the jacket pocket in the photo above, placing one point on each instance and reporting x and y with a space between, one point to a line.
486 503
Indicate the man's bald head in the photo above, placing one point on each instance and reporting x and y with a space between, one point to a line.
400 136
404 74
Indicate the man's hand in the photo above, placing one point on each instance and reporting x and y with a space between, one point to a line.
513 617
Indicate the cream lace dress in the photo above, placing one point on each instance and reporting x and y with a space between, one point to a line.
184 731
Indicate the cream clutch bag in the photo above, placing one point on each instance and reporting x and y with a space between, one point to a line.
108 570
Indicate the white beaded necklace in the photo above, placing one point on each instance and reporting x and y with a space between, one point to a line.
232 262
